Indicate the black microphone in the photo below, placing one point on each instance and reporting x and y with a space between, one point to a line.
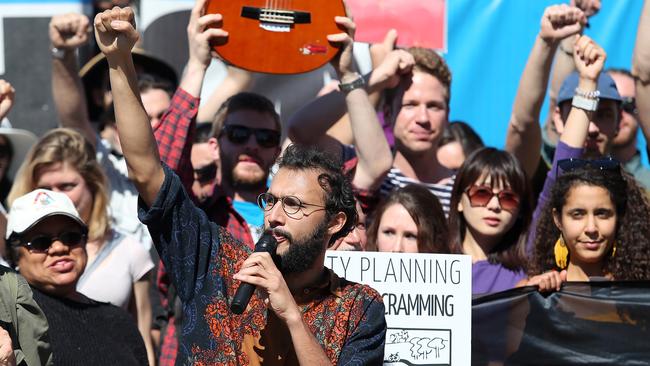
268 244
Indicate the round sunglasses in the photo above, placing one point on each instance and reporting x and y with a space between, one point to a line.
480 196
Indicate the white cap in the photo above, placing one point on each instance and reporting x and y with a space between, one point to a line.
37 205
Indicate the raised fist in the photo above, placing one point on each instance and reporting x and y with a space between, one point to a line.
69 31
115 31
7 93
589 58
590 7
561 21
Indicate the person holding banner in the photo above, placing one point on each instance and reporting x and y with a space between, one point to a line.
605 234
409 220
594 218
491 208
596 225
302 315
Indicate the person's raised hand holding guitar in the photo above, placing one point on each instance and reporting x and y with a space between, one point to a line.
343 63
371 147
203 31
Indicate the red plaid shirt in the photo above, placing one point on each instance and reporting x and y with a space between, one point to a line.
174 136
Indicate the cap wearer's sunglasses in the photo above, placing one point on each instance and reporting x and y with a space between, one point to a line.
628 104
608 163
238 134
41 243
480 196
206 174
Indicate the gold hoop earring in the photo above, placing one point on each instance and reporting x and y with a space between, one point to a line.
613 250
561 253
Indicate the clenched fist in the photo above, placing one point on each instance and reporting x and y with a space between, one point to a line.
589 58
115 32
561 21
69 31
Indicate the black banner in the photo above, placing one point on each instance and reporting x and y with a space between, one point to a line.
586 323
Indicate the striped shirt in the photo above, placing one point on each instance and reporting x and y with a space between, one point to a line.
397 179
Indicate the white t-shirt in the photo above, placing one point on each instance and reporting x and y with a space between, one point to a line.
120 263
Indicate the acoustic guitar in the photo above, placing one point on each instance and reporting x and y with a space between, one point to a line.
278 36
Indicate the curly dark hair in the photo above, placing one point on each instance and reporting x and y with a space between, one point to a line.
337 189
632 258
425 210
500 166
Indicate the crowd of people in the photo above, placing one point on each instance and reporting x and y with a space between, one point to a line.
132 225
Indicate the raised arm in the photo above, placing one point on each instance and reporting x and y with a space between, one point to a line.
176 129
589 58
199 37
310 124
524 137
67 33
116 35
563 64
641 69
237 80
375 158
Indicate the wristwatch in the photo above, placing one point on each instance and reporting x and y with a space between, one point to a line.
58 53
587 104
357 83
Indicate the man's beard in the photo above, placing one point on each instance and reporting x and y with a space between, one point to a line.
301 255
229 171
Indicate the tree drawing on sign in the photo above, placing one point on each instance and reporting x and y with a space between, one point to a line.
422 347
417 346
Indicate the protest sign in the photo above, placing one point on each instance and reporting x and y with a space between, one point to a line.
427 299
420 23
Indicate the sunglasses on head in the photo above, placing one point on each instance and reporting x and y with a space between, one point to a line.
206 174
628 104
608 163
238 134
480 196
42 243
